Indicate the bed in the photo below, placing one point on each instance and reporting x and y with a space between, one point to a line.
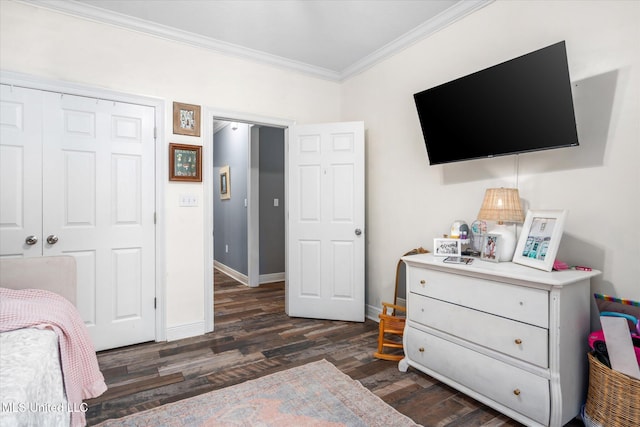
47 362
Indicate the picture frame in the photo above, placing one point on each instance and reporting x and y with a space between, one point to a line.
490 248
540 238
185 162
186 119
225 183
447 247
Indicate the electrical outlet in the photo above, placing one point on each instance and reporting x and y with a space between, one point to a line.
276 202
226 249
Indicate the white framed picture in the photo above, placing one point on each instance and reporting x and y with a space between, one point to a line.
447 247
540 239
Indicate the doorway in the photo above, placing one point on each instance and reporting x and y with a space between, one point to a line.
245 160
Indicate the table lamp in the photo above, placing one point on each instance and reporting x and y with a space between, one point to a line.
502 205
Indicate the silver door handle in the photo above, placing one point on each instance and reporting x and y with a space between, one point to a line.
358 232
31 240
52 239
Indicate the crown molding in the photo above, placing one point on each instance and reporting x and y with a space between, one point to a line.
440 21
86 11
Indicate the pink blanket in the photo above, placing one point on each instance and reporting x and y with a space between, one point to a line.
36 308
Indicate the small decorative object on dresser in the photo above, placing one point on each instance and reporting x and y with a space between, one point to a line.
540 238
447 247
511 337
491 248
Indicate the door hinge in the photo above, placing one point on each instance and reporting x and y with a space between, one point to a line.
155 303
155 132
155 218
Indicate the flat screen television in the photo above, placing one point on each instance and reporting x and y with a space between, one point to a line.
518 106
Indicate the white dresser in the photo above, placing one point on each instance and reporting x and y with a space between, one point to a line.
510 336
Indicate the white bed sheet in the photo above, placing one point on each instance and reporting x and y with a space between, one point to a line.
31 383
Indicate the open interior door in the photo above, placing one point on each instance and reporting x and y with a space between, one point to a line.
325 259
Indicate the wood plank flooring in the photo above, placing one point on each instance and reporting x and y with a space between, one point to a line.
254 337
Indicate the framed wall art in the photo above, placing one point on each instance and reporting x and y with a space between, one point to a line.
490 247
447 247
186 119
225 183
540 239
185 162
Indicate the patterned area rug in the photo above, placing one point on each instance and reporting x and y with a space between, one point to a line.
315 394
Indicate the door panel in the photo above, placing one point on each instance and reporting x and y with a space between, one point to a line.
326 257
105 208
20 171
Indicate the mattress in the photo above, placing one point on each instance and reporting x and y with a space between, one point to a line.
31 383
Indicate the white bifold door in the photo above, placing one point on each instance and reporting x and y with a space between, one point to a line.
78 178
325 259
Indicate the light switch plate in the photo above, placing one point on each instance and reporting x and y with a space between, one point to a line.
188 200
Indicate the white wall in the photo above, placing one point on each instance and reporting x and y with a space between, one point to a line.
410 202
56 46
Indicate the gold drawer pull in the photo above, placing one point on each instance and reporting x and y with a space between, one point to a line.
516 392
518 341
421 349
423 282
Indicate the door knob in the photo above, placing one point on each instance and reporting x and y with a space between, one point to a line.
31 240
358 232
52 239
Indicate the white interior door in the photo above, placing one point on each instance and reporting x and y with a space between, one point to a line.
98 197
325 260
80 176
20 172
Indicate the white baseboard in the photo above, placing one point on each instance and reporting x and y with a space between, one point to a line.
236 275
271 278
372 311
185 331
244 279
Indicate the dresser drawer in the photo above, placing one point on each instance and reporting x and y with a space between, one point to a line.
526 342
519 390
527 305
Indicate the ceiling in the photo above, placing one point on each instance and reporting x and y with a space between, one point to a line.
328 38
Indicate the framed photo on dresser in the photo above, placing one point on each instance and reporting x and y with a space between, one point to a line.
540 239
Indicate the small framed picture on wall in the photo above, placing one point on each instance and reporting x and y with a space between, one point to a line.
185 162
186 119
225 183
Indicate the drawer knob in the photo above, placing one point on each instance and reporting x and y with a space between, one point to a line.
423 282
518 341
421 349
516 392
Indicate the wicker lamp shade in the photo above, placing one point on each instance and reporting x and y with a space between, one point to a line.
501 205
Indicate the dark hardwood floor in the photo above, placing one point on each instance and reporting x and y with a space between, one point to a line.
253 337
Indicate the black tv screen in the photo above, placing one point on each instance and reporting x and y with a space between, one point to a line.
518 106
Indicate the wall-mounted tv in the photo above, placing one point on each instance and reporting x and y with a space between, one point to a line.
518 106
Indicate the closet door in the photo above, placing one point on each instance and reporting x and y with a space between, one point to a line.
98 198
20 172
77 177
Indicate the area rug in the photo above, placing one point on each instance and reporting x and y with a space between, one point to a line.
315 394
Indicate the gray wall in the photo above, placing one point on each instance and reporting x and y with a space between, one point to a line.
230 147
230 216
271 187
